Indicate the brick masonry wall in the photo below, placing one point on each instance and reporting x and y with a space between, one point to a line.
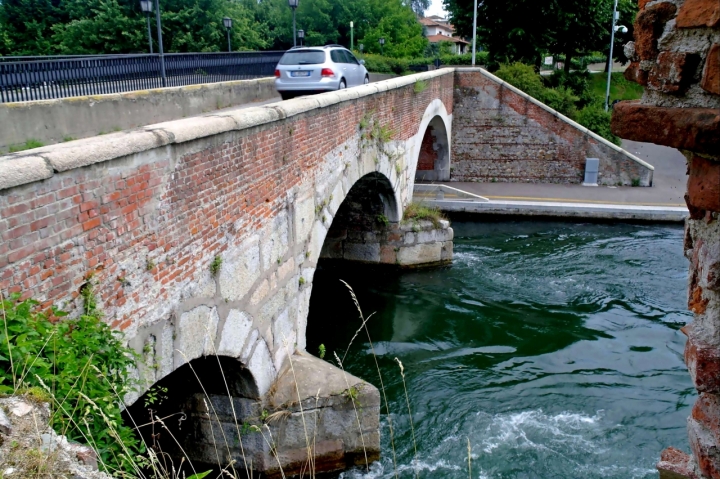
143 214
500 135
676 56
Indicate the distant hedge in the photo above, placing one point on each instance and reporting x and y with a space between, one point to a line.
381 64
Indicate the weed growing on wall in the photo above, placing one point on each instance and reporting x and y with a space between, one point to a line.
418 212
83 368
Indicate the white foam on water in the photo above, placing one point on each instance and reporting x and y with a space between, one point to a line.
566 431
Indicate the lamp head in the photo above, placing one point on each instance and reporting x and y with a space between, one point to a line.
146 6
301 33
293 3
227 21
621 29
381 41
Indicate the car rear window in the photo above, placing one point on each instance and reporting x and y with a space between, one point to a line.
303 57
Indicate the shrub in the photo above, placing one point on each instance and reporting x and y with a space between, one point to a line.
578 82
465 59
418 212
381 64
560 99
83 366
595 118
523 77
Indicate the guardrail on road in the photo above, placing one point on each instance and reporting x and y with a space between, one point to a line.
45 78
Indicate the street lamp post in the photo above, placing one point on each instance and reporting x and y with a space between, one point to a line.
294 4
160 43
474 32
227 21
613 29
146 6
381 41
301 36
351 36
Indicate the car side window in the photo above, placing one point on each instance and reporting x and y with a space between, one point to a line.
351 58
337 56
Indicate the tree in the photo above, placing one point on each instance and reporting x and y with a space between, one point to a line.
579 27
512 30
419 6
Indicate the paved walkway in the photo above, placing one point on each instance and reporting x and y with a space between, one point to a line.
667 190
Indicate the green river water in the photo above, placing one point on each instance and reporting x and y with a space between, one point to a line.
554 348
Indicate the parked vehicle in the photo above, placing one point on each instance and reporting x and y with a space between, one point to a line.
306 70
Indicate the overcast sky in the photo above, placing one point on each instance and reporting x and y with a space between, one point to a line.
436 8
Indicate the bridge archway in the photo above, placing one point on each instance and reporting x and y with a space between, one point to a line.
433 144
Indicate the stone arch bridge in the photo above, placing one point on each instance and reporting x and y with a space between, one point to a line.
201 236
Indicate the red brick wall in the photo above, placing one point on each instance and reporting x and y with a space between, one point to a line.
499 135
176 207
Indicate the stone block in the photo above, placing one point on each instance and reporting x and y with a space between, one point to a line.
699 13
673 72
365 252
675 464
649 25
388 255
695 129
234 333
703 187
420 254
705 449
304 217
284 334
274 243
196 332
711 72
240 269
261 366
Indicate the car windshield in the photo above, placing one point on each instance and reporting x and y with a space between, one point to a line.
303 57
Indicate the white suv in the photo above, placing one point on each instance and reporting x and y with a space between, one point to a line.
305 70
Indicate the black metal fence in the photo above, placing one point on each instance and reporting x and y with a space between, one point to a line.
43 78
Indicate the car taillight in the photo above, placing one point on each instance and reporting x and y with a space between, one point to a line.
326 72
277 73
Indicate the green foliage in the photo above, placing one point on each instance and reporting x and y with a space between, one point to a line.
200 475
481 58
321 351
382 64
215 265
620 88
301 281
635 182
595 118
383 220
523 77
420 86
82 364
417 212
28 145
560 99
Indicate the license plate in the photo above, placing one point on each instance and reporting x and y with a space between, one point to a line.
300 74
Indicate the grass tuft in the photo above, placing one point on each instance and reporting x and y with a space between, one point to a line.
419 212
28 145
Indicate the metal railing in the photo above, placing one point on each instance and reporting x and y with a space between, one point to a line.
44 78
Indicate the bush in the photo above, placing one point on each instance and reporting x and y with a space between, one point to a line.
466 59
523 77
83 367
381 64
578 82
560 99
595 118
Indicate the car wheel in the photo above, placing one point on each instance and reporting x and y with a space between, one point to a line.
367 80
342 85
286 95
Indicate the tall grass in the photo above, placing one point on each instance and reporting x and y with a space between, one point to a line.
144 458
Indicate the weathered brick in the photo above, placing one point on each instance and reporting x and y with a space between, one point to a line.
636 74
703 362
705 449
699 13
703 187
673 71
695 129
711 72
648 28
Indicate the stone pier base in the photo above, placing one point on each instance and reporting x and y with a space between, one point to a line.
314 413
407 244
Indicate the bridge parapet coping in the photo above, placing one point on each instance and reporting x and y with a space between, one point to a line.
26 167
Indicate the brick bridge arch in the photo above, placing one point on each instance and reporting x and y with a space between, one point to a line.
202 235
